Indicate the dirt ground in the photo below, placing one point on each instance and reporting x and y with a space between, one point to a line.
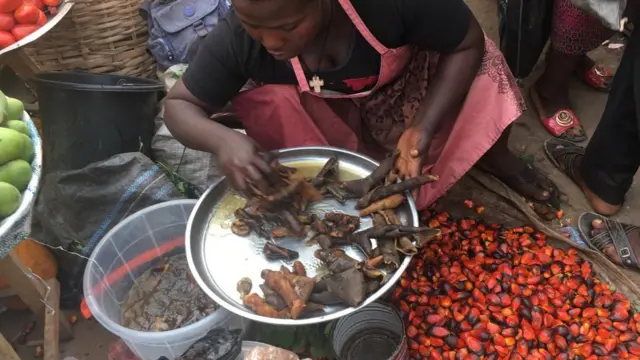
92 341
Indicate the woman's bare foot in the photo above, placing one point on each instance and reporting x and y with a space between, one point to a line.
567 157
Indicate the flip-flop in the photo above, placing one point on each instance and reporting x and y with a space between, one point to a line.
598 77
615 233
570 151
558 123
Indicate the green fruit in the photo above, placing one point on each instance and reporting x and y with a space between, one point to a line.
3 108
18 125
14 146
9 199
14 108
17 173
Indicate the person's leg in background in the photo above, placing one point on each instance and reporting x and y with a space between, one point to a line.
574 34
613 155
606 168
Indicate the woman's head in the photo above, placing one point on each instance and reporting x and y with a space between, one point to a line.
283 27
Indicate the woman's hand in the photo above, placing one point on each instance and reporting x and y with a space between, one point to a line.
241 161
413 146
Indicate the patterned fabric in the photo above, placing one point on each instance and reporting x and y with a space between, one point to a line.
17 227
380 110
575 32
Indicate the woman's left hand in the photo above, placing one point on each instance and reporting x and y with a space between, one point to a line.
413 146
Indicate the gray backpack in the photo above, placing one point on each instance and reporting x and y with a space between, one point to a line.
177 27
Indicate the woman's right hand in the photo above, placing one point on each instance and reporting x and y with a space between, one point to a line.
242 162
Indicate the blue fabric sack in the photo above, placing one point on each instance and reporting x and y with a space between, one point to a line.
176 27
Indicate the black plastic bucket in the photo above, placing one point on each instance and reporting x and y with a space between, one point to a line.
90 117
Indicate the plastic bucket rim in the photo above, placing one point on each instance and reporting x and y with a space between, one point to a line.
151 86
150 338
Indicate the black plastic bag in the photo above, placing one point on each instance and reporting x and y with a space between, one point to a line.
76 208
525 26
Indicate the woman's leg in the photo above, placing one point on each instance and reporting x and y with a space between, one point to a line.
515 172
573 35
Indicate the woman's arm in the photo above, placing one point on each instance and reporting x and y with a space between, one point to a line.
211 81
451 82
188 119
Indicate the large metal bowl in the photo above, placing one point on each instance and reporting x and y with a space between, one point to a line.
218 258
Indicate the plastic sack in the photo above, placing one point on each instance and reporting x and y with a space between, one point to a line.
609 12
17 227
524 27
270 353
218 344
77 208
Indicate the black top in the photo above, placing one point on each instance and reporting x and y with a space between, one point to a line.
228 56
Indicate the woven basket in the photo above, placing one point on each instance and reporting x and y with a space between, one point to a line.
103 36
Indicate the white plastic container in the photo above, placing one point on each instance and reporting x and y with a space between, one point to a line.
126 252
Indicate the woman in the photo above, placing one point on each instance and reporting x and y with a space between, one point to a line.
368 76
574 33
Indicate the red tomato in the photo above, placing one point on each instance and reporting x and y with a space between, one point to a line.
9 5
6 21
27 14
38 3
42 19
6 39
51 2
21 31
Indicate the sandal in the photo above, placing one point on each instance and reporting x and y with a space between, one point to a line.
598 77
556 148
560 122
615 233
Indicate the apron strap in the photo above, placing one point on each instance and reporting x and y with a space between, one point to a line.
300 76
362 29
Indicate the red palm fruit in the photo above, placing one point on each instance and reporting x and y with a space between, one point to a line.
528 333
620 326
493 299
474 345
437 342
493 328
434 319
634 348
545 336
627 336
522 347
560 342
579 301
498 340
509 332
610 344
512 321
619 315
589 312
438 331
